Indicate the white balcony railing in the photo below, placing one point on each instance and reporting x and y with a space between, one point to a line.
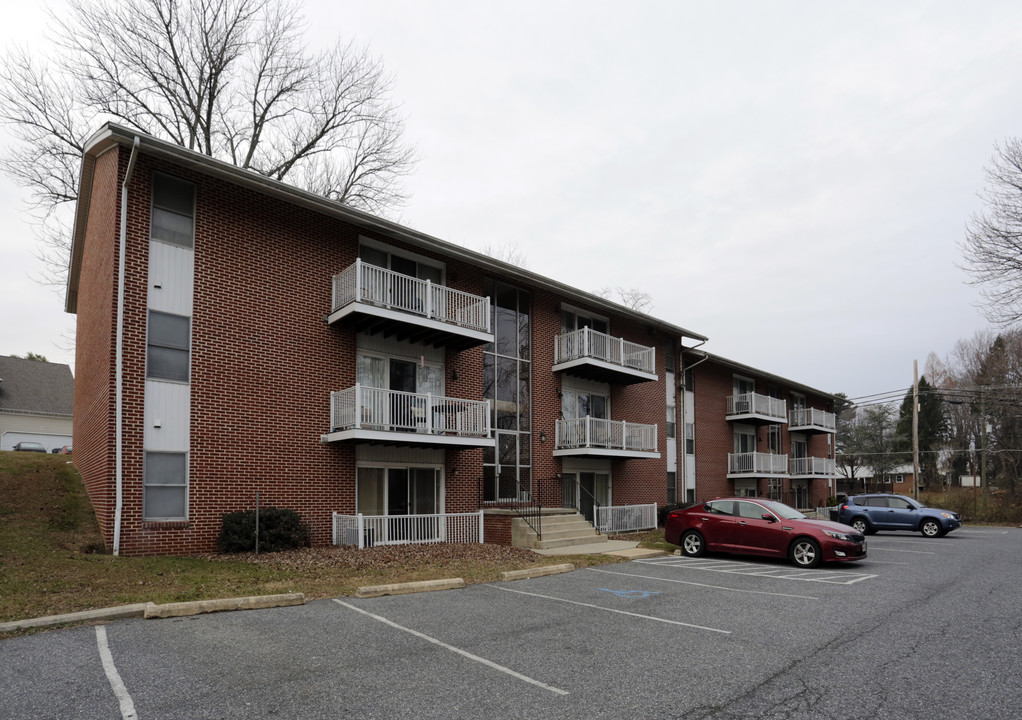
813 466
369 530
391 410
590 432
364 283
811 417
588 343
756 404
757 463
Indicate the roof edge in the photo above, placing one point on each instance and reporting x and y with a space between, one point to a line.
111 134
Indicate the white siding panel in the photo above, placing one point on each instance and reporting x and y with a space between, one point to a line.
171 278
167 404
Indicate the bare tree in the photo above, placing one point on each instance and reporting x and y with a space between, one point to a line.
632 298
228 78
993 239
510 252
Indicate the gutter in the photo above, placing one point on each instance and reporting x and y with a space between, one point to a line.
119 362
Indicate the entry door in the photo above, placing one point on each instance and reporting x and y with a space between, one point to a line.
404 411
587 482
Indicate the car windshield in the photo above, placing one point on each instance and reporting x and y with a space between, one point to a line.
783 511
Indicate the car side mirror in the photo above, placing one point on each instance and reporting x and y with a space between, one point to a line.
768 517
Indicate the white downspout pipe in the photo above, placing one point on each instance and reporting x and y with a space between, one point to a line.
119 361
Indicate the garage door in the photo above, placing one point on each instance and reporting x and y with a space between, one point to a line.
9 439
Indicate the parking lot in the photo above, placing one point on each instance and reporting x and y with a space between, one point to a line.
921 628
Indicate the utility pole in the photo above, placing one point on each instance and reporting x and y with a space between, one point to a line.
915 429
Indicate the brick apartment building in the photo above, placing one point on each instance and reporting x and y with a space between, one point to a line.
239 336
750 433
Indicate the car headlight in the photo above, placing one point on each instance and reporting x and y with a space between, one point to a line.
949 516
839 536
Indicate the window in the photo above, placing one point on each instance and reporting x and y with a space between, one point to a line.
577 404
774 439
412 267
672 488
173 213
689 379
776 488
690 439
507 473
571 321
165 486
168 346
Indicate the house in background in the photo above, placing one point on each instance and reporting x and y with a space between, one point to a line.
751 433
239 336
865 479
36 403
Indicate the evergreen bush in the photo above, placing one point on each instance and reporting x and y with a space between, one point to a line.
279 529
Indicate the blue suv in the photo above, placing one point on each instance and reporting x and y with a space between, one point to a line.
869 513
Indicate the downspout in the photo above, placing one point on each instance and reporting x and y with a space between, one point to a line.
684 444
119 361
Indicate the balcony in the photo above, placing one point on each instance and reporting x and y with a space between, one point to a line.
756 408
378 300
379 415
756 464
604 358
813 467
595 437
812 420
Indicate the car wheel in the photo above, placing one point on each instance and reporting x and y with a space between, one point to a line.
860 525
931 528
805 552
692 544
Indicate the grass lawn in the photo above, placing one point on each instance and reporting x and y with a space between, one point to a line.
52 559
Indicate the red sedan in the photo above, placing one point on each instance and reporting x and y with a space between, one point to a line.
755 526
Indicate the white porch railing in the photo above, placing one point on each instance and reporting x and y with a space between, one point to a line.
802 417
392 410
625 518
588 343
366 283
590 432
757 462
756 404
369 530
814 466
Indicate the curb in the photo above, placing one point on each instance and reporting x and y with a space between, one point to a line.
536 572
197 607
115 613
370 591
152 610
637 553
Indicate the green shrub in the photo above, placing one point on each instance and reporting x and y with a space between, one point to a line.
662 513
279 529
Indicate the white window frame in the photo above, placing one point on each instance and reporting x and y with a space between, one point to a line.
185 486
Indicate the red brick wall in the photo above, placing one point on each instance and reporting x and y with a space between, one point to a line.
94 352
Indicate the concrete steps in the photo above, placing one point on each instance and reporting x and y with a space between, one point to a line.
560 530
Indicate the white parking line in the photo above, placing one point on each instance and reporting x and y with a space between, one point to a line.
116 684
733 567
712 587
913 552
606 609
459 651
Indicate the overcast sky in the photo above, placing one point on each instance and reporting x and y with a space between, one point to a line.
791 179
